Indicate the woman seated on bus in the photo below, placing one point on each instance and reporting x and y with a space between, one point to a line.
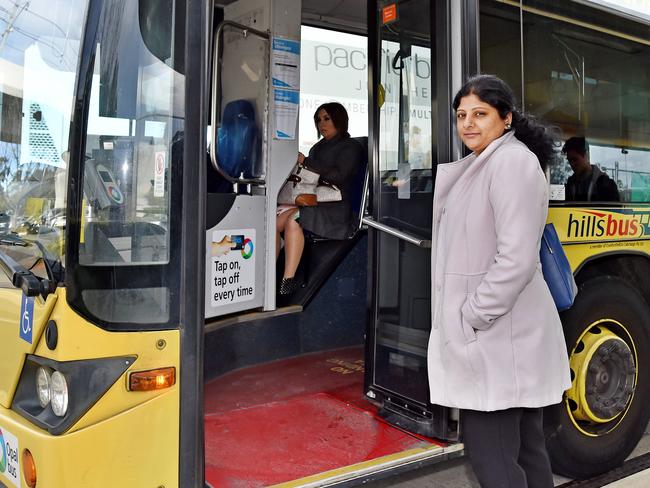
336 157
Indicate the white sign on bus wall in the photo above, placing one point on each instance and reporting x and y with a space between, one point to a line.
232 279
9 465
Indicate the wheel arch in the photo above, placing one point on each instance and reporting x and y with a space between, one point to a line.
615 287
631 266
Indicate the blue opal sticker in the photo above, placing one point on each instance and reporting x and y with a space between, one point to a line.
26 318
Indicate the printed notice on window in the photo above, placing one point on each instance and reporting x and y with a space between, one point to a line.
159 174
556 192
232 256
287 103
286 63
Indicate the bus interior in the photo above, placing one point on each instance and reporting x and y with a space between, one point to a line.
284 391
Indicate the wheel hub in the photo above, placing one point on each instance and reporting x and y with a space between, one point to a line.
604 375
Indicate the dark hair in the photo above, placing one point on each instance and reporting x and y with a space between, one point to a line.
339 117
578 144
492 90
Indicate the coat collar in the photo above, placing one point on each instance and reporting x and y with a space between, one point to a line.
457 172
481 158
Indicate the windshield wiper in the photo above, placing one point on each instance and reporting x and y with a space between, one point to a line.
22 277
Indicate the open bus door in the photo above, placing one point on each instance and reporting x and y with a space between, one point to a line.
409 45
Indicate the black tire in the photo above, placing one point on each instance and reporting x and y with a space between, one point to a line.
573 452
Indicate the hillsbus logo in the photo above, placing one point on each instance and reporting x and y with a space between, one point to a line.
599 224
3 459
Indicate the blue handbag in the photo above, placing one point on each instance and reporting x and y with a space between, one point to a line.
556 269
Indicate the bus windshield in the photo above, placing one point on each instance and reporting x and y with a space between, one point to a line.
39 50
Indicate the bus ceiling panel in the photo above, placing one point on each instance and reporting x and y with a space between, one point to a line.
413 23
635 13
344 15
591 15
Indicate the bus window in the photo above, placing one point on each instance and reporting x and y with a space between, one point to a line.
132 147
585 73
38 57
333 67
128 144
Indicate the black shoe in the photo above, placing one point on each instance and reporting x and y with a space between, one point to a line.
288 286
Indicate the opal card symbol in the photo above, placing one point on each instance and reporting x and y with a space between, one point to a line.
115 193
247 249
26 318
3 459
243 244
233 243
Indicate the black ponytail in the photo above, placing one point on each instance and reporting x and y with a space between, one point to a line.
537 136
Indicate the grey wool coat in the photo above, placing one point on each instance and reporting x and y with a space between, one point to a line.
338 161
496 339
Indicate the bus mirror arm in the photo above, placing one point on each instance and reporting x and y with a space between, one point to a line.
24 279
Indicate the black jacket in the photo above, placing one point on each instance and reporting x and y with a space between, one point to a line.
597 187
337 161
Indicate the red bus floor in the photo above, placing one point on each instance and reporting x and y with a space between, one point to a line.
292 418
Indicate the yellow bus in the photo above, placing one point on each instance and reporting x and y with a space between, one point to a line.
142 148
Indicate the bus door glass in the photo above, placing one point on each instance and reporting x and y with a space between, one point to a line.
125 262
400 227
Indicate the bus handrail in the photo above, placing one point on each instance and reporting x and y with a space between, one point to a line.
216 99
424 243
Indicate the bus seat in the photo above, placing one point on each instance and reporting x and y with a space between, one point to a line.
360 185
236 140
359 190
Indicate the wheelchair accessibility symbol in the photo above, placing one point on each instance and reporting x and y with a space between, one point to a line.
27 325
26 318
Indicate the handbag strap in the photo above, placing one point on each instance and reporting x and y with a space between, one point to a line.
548 244
323 182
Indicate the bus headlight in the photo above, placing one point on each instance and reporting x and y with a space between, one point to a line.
43 381
59 394
54 395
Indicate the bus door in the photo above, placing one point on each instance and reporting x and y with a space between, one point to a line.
408 139
252 145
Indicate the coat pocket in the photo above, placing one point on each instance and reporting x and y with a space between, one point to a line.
473 281
468 330
456 329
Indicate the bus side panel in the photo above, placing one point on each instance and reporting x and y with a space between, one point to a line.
134 449
79 340
590 232
125 438
22 321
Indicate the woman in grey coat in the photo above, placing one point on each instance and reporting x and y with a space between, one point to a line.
336 158
496 349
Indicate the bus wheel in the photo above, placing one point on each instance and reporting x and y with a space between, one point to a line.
605 412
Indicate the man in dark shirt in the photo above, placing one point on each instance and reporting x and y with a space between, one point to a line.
588 182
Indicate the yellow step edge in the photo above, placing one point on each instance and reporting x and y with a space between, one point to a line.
371 467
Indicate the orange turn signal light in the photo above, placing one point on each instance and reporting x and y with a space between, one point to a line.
29 468
153 379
